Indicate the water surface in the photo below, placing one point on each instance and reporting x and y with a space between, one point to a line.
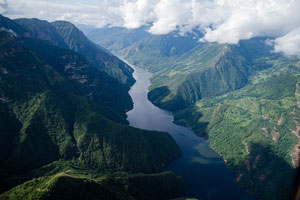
204 173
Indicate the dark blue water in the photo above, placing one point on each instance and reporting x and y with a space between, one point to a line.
204 173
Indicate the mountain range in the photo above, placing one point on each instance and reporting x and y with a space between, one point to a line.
64 98
64 132
243 99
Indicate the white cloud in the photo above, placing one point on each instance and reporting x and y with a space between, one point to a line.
64 16
169 15
255 18
136 14
223 21
3 6
75 11
289 43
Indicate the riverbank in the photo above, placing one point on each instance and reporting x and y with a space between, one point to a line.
204 173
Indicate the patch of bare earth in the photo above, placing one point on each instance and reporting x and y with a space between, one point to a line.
266 116
298 104
238 179
296 132
246 146
293 112
280 121
80 78
296 154
275 136
218 108
265 130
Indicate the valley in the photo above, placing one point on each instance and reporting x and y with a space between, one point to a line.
204 173
242 99
187 118
64 133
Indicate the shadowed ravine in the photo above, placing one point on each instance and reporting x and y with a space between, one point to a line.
204 172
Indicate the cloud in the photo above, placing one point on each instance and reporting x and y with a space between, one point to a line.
223 21
228 21
3 6
75 11
136 14
289 43
254 18
8 30
169 15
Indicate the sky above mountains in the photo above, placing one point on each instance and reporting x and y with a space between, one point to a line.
223 21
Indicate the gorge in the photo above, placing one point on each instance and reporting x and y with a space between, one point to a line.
204 173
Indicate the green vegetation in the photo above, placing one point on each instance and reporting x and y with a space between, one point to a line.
91 82
66 35
255 130
63 102
211 70
76 183
116 38
243 99
59 113
186 71
96 55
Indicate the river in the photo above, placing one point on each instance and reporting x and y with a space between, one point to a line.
204 173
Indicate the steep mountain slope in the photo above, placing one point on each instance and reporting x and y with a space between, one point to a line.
186 70
242 98
55 105
65 34
117 38
255 129
91 82
153 52
143 49
115 186
42 30
10 25
245 126
77 41
205 71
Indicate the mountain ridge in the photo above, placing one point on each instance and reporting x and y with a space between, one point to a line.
50 120
243 99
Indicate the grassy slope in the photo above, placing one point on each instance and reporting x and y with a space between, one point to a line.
252 129
49 119
75 183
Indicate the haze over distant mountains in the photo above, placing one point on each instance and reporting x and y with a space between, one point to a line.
223 21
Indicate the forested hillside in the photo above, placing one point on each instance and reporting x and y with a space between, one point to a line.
63 124
243 99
